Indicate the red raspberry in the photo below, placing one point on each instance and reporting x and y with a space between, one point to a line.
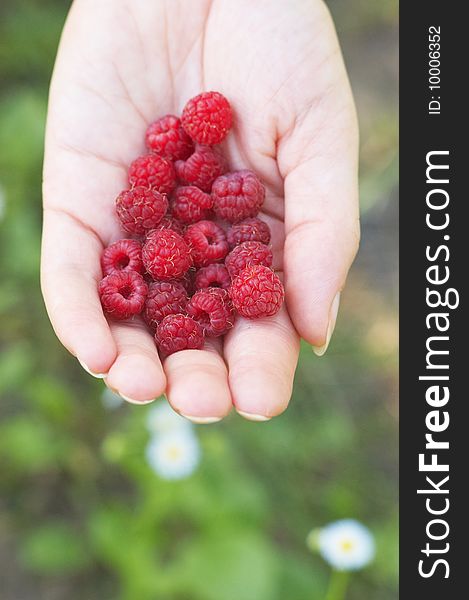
191 204
164 298
166 255
167 138
153 171
237 196
257 292
201 168
213 310
249 230
246 255
123 255
207 118
169 222
123 294
214 275
179 332
140 209
207 243
187 281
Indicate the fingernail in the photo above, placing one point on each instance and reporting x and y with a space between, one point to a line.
253 417
132 401
97 375
321 350
201 420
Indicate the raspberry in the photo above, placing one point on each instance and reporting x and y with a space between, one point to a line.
207 118
165 254
167 138
123 255
207 243
214 275
213 310
191 204
187 281
169 222
153 171
140 209
248 254
257 292
201 168
123 294
178 332
164 298
249 230
237 196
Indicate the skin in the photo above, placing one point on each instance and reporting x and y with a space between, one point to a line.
123 63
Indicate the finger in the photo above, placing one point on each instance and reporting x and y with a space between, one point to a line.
262 355
137 374
69 278
198 383
321 216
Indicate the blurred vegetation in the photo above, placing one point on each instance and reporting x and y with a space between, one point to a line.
82 515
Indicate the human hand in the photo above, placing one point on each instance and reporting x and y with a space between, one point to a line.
123 63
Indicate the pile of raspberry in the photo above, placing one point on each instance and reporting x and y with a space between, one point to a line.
196 254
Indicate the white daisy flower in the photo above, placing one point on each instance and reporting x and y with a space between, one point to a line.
162 419
111 400
174 455
346 545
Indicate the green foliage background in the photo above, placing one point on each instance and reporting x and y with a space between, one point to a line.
82 516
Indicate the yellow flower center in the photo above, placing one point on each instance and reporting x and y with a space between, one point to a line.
346 545
174 453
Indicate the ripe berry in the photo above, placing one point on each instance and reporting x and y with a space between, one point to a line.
178 332
123 255
167 138
214 275
207 118
169 222
249 230
187 281
153 171
123 294
237 196
140 209
207 243
166 255
191 204
164 298
257 292
213 310
201 168
246 255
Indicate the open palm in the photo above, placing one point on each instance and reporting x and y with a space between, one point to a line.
123 63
